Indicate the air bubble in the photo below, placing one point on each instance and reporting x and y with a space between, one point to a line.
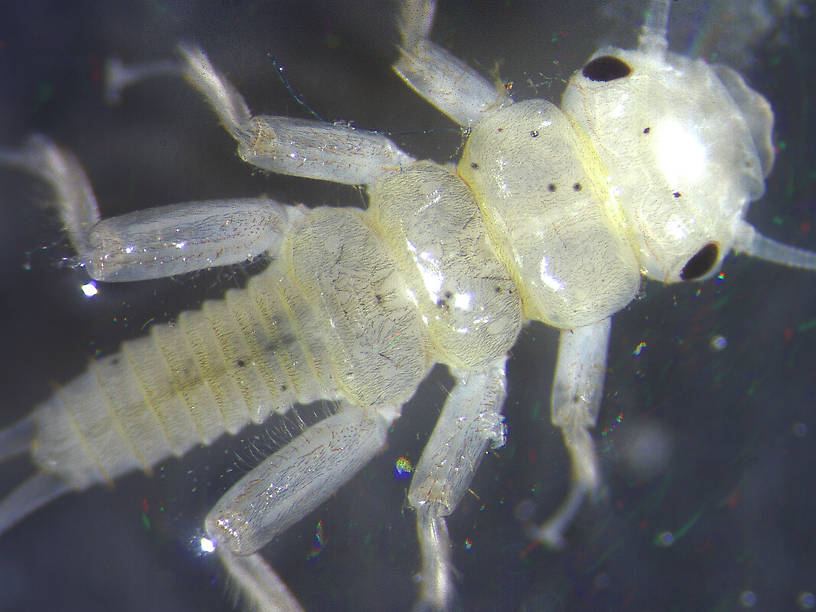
718 343
748 599
665 539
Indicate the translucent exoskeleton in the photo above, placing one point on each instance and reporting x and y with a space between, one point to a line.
680 402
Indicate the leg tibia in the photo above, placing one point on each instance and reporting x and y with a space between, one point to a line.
436 591
259 587
219 92
118 76
442 79
74 197
576 401
470 421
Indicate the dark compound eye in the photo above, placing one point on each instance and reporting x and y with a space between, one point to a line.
702 263
606 68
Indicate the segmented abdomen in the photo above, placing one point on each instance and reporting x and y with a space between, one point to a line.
212 371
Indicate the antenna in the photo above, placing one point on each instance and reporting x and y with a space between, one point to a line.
653 40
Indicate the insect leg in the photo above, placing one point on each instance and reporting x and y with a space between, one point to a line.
291 483
445 81
576 401
179 238
470 421
260 585
118 76
154 242
74 196
297 147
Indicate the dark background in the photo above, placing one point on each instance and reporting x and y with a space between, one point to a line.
736 426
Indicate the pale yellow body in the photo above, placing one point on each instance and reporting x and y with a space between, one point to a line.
553 215
444 267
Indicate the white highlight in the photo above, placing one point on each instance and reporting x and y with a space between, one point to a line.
89 289
681 155
207 545
548 279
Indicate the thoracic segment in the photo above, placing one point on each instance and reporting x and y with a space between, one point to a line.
468 301
549 214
